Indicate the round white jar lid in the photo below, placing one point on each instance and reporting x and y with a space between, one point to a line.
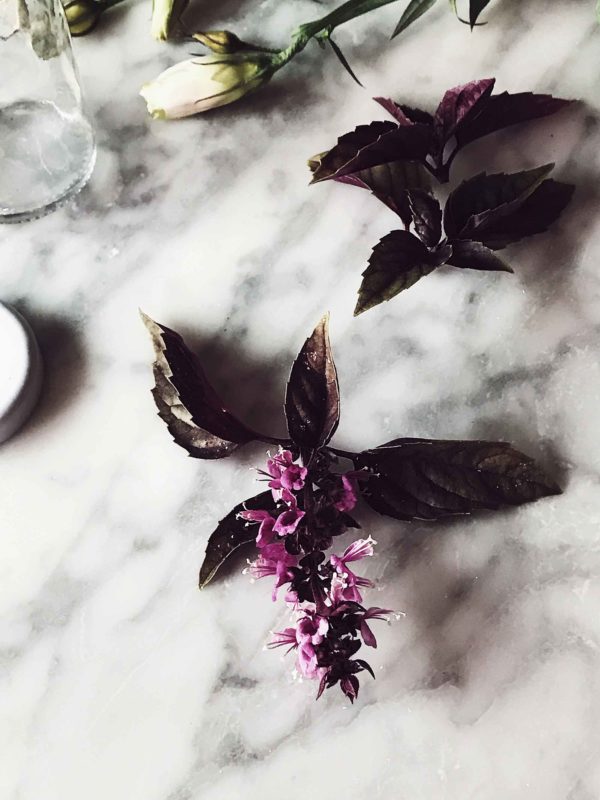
20 371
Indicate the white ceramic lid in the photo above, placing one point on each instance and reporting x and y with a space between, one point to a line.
20 371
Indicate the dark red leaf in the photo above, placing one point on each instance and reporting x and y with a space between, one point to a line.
485 199
426 216
397 262
429 479
404 115
474 255
506 109
389 182
195 415
458 106
230 534
535 215
370 145
312 403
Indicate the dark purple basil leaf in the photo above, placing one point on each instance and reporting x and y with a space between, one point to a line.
506 109
474 255
428 479
312 403
367 634
475 9
397 262
426 216
370 145
404 115
389 182
485 199
414 10
458 106
230 534
364 665
535 215
195 415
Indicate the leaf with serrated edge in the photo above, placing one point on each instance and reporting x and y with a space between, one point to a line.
426 216
230 534
312 402
474 255
187 403
485 199
505 109
414 10
389 184
541 209
370 145
429 479
397 262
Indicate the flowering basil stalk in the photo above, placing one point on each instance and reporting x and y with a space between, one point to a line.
205 82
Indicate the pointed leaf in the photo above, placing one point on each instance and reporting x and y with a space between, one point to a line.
484 199
192 410
426 216
389 182
343 60
474 255
404 115
370 145
430 479
475 9
312 403
535 215
458 106
397 262
230 534
503 110
414 10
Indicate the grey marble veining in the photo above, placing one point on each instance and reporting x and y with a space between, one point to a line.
119 678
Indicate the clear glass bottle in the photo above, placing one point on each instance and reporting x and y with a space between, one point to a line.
47 149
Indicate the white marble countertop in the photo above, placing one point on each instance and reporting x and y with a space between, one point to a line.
120 679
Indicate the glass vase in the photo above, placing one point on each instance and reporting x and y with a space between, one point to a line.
47 149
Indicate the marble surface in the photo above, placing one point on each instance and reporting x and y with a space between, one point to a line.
119 678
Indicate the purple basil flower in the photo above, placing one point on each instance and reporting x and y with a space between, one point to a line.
274 560
312 627
284 637
288 520
344 585
346 496
285 473
265 532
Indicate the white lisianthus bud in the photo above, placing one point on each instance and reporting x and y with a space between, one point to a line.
205 82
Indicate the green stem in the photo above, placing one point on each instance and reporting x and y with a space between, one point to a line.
325 25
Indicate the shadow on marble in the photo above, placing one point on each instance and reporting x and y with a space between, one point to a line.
64 363
252 389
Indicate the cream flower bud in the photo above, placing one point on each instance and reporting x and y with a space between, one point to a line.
205 82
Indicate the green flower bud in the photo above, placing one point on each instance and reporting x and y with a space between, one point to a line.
222 41
206 82
83 15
